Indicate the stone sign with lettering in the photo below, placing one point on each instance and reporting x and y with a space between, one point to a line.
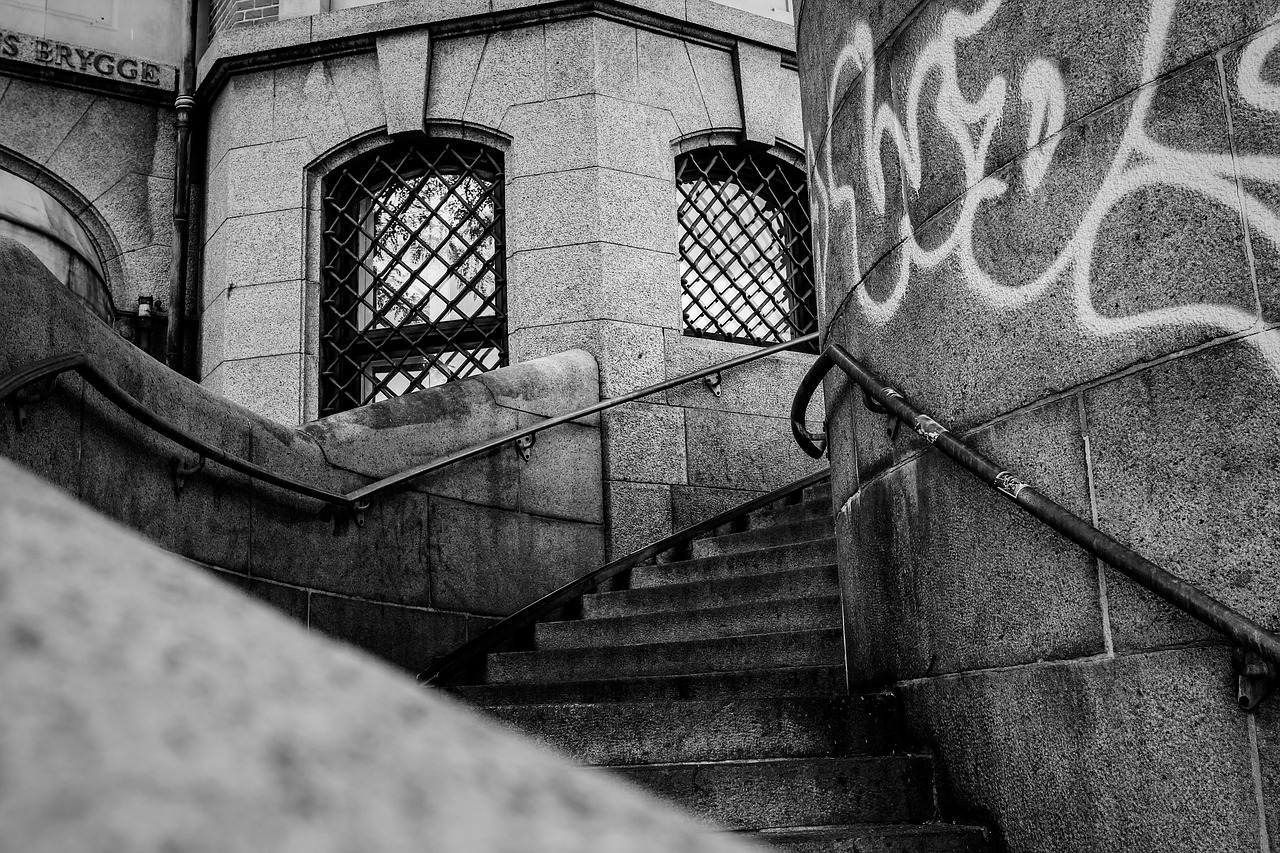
104 65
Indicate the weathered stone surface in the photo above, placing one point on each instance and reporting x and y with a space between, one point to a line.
691 504
718 83
1253 135
258 249
630 355
1184 467
357 81
140 210
263 178
454 64
491 561
404 64
407 637
763 387
292 601
35 119
306 103
645 443
667 80
565 382
563 476
511 71
941 574
737 451
597 281
262 320
134 684
1125 754
266 385
639 513
758 71
244 111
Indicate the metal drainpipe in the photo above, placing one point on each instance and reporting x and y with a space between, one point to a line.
184 106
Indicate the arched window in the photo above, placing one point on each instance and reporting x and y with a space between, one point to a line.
413 275
745 263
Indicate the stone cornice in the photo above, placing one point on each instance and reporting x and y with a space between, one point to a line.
331 34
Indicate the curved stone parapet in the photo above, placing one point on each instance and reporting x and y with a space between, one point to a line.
1056 229
433 564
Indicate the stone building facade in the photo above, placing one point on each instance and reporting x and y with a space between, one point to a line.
587 111
1054 229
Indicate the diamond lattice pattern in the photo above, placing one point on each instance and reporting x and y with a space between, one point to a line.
414 276
745 263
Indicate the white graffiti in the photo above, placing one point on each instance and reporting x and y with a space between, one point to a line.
1140 162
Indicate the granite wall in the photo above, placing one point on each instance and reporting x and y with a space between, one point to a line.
432 565
590 111
1055 229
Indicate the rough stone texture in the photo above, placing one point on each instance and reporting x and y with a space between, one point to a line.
404 63
641 513
1184 467
526 557
758 71
739 451
691 504
763 387
1018 209
1133 753
645 443
941 574
149 707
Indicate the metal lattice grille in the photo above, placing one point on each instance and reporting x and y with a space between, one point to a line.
745 263
414 275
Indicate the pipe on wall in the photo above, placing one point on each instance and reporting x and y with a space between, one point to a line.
184 106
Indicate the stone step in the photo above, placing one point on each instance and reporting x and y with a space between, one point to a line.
753 617
822 580
789 681
805 530
822 491
710 730
727 654
780 514
876 838
775 793
816 552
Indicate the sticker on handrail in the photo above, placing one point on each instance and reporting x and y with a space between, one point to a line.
928 428
1009 484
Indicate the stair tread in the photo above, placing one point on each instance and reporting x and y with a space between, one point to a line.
742 589
737 563
748 763
758 538
730 620
772 682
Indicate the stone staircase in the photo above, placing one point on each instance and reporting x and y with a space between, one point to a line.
718 683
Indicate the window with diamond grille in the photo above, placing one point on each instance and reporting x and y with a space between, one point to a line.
745 264
414 277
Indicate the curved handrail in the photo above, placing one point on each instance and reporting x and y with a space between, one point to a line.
50 368
357 501
523 619
1172 589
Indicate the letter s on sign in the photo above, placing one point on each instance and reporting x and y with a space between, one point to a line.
10 46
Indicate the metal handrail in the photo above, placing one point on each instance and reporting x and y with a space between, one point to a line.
19 381
1256 678
514 625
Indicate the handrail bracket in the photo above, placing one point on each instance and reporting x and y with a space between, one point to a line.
181 470
1256 677
30 394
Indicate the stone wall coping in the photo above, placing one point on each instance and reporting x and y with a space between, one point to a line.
328 34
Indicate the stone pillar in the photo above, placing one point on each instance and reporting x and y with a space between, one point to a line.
1054 228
